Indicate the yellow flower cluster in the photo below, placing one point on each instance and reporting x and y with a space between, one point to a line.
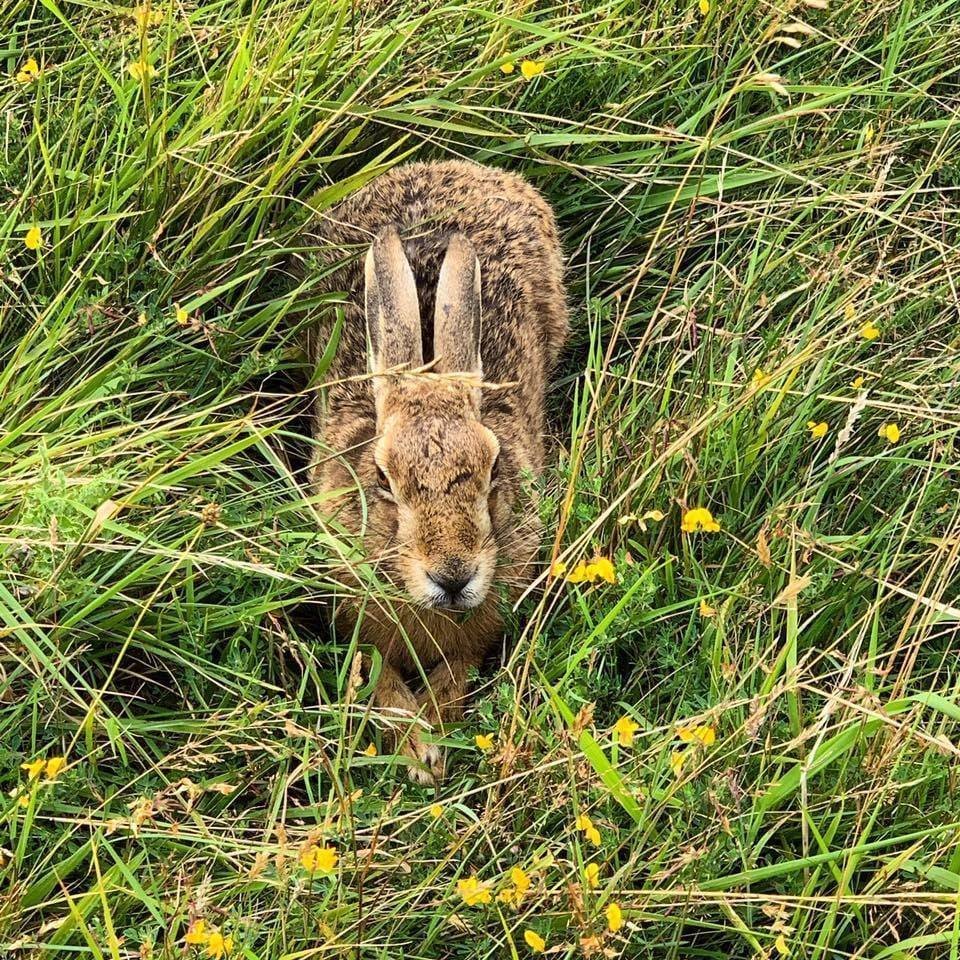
599 568
215 944
49 768
697 519
517 888
144 16
705 736
318 859
28 72
890 432
585 825
696 738
624 730
140 69
473 892
528 68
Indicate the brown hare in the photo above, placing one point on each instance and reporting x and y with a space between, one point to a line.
432 421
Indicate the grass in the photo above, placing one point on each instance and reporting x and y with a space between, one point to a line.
739 191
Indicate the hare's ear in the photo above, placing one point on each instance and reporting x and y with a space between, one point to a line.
456 323
393 314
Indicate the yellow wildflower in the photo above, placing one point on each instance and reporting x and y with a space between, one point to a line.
598 569
614 917
817 430
520 884
759 378
33 239
29 71
182 316
531 68
890 432
196 933
34 768
869 331
507 67
436 811
140 69
699 518
473 891
319 859
624 730
558 568
706 736
218 945
677 759
585 824
484 742
592 874
857 383
602 569
370 750
704 6
534 941
145 17
706 610
53 766
519 878
781 946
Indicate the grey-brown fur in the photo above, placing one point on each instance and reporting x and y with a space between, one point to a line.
434 437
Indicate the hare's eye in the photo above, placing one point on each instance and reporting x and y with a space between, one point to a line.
382 481
495 471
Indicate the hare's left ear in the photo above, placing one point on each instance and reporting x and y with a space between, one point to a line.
456 322
393 313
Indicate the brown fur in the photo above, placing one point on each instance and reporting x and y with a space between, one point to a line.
435 435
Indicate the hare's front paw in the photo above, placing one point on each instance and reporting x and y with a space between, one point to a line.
428 769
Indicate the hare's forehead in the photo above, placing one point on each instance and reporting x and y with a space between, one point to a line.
434 450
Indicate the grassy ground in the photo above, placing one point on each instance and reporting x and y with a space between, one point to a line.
742 192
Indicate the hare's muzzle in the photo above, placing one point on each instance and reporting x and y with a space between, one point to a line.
457 586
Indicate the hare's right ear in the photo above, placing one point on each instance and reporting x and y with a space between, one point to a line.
456 322
393 313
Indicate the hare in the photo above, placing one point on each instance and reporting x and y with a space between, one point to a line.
433 416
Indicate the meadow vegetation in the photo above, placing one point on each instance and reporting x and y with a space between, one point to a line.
745 746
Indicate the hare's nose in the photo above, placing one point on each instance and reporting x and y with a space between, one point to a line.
453 578
452 586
